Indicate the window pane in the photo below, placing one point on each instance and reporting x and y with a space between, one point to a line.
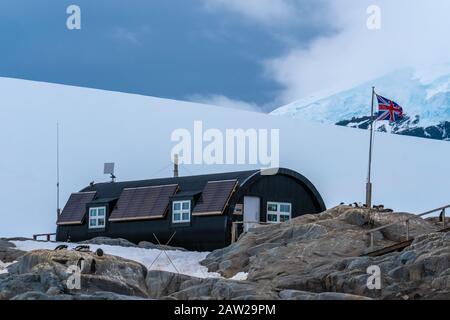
272 207
284 218
176 206
176 217
185 216
93 212
101 222
101 212
272 218
185 205
285 208
93 222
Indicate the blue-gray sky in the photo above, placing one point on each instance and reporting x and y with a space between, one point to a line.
251 54
196 49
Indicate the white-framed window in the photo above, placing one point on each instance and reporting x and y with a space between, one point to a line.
97 218
278 212
181 211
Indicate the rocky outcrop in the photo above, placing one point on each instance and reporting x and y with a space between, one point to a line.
315 257
150 245
125 243
47 272
175 286
110 242
324 253
8 253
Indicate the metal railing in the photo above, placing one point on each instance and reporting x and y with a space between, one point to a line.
46 235
406 222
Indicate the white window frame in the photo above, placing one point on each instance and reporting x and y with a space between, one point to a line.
181 211
97 218
278 213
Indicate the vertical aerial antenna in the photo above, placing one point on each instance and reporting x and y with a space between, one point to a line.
175 166
58 210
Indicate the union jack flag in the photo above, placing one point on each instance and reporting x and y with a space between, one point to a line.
389 110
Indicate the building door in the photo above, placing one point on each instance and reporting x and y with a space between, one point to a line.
251 212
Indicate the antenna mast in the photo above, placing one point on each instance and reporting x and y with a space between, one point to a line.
175 166
58 210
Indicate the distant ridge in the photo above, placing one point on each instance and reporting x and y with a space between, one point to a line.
423 93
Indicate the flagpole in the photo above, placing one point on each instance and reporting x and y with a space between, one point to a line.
369 181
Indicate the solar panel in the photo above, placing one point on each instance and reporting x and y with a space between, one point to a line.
75 208
215 197
143 203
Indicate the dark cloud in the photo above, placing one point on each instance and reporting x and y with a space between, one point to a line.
172 49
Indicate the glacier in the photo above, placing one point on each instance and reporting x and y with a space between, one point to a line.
134 131
423 92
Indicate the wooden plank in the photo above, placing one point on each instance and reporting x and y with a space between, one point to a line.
396 247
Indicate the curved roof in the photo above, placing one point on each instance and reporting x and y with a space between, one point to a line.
290 173
195 184
189 184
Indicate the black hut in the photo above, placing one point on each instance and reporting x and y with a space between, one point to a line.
200 210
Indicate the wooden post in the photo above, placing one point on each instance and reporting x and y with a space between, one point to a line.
58 210
407 230
371 240
233 232
175 166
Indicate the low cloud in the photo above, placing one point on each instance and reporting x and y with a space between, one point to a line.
263 11
413 33
223 101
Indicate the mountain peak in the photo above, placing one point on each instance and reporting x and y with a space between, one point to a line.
424 94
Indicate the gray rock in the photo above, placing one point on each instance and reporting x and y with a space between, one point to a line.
16 239
13 285
47 272
359 263
262 247
358 217
149 245
296 295
308 232
304 295
441 283
314 257
340 296
407 257
399 273
35 295
6 244
160 283
8 253
322 253
110 242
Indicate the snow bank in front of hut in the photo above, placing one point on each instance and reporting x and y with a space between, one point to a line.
184 262
4 266
240 276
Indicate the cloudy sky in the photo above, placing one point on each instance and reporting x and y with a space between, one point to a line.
248 54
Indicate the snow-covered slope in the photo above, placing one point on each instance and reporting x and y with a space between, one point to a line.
423 93
134 131
175 261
